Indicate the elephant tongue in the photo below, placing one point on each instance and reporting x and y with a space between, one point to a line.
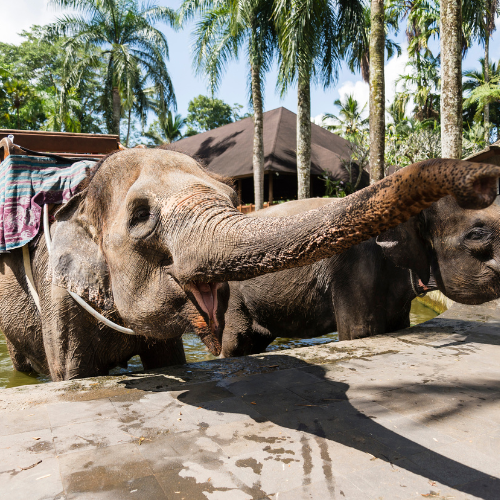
206 296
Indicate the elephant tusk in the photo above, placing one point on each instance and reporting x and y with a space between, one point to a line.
77 298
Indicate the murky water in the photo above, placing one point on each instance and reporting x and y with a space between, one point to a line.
193 347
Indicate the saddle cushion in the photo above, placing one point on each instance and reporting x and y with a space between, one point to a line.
26 184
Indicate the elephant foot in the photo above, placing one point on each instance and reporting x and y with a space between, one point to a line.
162 353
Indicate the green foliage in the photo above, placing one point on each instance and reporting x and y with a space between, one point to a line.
410 141
130 47
349 124
336 189
477 93
206 113
224 28
168 128
44 95
355 44
421 83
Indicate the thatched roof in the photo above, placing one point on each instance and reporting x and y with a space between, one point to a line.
228 150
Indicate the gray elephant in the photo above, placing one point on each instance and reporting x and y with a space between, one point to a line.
368 289
148 219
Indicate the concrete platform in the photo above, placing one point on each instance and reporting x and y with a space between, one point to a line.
407 416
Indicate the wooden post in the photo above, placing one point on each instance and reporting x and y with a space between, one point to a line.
239 191
270 188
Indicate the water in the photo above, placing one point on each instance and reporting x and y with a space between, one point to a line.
193 347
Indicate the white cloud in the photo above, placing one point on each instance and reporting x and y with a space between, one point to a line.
19 15
393 70
361 91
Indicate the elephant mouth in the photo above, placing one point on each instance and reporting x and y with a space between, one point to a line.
205 297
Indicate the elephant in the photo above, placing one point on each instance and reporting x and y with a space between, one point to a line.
149 221
368 289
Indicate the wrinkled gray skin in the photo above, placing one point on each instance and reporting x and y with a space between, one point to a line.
84 347
367 290
151 220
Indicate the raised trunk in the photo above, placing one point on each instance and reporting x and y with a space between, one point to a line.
451 78
239 247
486 80
258 140
116 111
377 91
304 137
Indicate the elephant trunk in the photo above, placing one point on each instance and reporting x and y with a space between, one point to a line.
217 243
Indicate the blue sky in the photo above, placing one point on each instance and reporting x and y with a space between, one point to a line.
234 88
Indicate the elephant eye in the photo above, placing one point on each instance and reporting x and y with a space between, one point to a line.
477 234
141 214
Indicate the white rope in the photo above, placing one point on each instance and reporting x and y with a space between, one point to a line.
90 310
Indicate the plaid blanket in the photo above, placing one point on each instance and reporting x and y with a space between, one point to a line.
26 184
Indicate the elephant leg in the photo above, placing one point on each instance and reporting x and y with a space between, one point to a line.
242 334
261 338
359 314
77 345
19 317
20 362
160 353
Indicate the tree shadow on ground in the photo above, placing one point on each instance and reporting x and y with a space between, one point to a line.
321 407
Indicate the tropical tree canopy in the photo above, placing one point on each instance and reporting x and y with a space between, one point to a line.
124 31
349 120
206 113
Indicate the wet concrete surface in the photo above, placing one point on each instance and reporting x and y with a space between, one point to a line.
404 416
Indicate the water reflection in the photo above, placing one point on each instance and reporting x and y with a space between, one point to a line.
193 347
12 378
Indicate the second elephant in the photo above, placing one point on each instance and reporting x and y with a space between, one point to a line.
368 289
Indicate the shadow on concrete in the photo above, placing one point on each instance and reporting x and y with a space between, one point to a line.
322 408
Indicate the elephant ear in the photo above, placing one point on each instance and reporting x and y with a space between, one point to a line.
76 260
404 246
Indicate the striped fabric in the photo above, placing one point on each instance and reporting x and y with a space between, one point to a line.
26 184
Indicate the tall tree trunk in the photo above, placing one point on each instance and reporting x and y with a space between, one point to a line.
258 139
486 80
451 79
377 91
304 137
128 127
116 111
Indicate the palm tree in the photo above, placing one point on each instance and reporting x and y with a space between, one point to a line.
421 83
451 79
459 23
482 90
377 91
61 115
225 27
167 129
124 31
356 44
492 9
309 38
349 122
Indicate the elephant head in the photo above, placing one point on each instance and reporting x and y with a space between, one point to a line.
460 247
151 220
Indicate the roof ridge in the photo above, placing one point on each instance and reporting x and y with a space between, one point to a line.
277 132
